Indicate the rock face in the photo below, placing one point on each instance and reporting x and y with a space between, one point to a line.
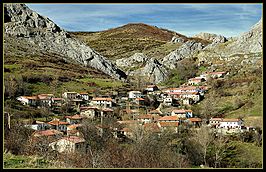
211 37
184 51
25 24
133 61
177 40
244 49
153 70
249 42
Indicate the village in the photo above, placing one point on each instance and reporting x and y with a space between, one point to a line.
120 114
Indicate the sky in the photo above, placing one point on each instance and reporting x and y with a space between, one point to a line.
188 19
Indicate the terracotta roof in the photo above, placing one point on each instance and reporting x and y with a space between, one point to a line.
168 124
147 116
101 99
51 132
57 98
230 120
74 139
189 88
195 119
195 79
74 117
179 111
83 93
30 97
57 122
74 126
140 99
126 129
168 118
216 119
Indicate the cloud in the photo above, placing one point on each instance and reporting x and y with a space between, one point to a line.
189 18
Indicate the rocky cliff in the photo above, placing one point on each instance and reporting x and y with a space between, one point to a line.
153 70
22 23
184 51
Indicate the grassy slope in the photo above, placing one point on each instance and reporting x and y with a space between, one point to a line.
124 41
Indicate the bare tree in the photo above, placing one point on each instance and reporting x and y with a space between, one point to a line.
203 137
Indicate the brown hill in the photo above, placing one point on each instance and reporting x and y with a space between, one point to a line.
131 38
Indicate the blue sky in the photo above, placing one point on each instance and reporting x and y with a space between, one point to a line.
187 19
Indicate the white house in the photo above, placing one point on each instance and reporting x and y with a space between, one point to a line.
151 88
134 94
215 122
101 101
75 119
84 96
195 81
231 123
68 144
28 100
182 113
208 75
45 99
168 101
172 126
70 95
90 112
148 118
58 125
195 96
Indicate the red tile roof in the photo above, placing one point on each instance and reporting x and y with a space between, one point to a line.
216 119
83 93
74 126
195 119
179 111
57 122
168 124
168 118
51 132
101 99
74 117
126 129
140 99
57 98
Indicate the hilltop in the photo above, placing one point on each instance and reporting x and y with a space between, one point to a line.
124 41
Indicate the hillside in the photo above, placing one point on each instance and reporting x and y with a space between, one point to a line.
131 38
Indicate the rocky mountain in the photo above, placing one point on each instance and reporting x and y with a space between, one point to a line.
184 51
153 71
24 24
141 65
245 49
214 38
133 61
